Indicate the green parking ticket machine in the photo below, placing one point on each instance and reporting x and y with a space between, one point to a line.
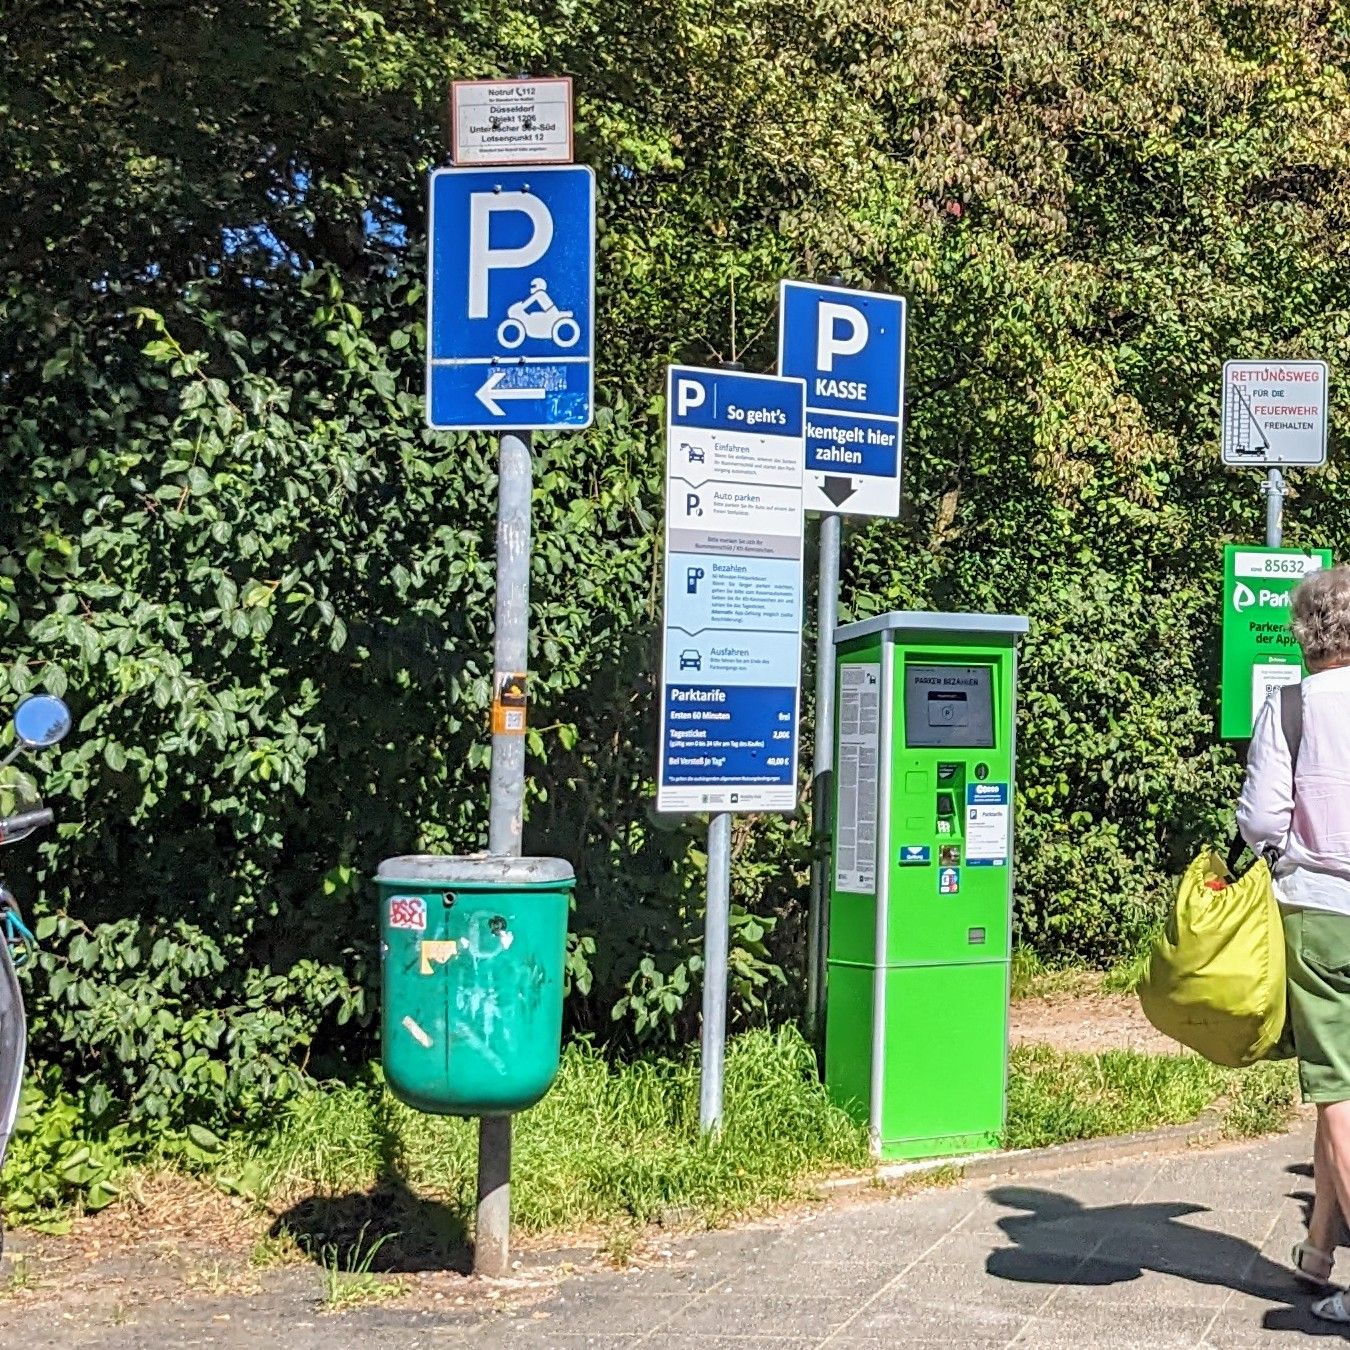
916 1039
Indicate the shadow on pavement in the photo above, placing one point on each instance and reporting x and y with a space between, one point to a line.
1305 1198
1060 1241
387 1229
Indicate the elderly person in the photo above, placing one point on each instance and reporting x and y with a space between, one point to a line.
1296 802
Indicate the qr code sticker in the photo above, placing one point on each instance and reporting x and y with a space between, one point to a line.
408 911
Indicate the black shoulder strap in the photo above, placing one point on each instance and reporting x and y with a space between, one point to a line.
1291 719
1291 724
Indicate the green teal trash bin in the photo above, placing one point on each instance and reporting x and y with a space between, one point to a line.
472 954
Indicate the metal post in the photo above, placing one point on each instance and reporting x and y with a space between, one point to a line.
716 938
1274 488
510 656
511 639
716 954
822 776
492 1229
822 769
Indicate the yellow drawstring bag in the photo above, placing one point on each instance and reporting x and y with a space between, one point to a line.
1216 979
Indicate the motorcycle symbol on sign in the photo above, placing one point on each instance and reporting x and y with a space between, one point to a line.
538 317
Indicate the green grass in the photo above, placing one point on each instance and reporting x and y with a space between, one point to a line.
609 1142
1033 977
618 1145
362 1185
349 1281
1261 1099
1055 1097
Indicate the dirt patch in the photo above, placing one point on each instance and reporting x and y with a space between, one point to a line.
176 1249
1088 1021
169 1207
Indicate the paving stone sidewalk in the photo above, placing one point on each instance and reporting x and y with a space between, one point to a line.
1181 1251
1187 1250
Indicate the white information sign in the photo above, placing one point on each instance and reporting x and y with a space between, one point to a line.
858 763
511 121
988 824
1274 413
1269 563
731 670
1269 676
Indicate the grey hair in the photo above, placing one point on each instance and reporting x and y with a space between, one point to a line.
1319 614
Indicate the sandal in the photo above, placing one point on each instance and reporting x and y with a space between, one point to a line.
1332 1309
1312 1267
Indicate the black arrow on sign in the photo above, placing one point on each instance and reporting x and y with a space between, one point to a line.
838 490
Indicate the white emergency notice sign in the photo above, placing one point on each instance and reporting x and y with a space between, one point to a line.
1274 413
511 121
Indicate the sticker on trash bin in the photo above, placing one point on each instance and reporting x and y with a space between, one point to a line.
508 703
408 911
437 953
417 1033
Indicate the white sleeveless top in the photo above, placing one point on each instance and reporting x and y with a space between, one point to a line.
1305 816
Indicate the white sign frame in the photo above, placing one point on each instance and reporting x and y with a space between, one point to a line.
733 575
1274 414
535 118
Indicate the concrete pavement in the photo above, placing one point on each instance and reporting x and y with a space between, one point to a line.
1183 1251
1186 1250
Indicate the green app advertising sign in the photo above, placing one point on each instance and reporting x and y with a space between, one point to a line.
1259 651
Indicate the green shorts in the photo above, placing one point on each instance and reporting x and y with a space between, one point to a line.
1317 946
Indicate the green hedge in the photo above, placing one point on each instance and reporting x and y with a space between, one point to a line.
266 588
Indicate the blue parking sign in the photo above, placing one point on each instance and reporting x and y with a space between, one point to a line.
849 347
511 298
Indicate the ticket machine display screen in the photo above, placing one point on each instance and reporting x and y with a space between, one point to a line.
949 707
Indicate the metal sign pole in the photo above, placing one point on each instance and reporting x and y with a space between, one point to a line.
1274 488
492 1230
716 955
716 941
543 288
822 774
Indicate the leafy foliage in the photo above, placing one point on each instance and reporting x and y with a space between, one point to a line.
74 1151
267 589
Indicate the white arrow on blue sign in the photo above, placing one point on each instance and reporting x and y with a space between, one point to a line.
849 347
511 299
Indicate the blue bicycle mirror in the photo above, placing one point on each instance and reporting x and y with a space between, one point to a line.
41 720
